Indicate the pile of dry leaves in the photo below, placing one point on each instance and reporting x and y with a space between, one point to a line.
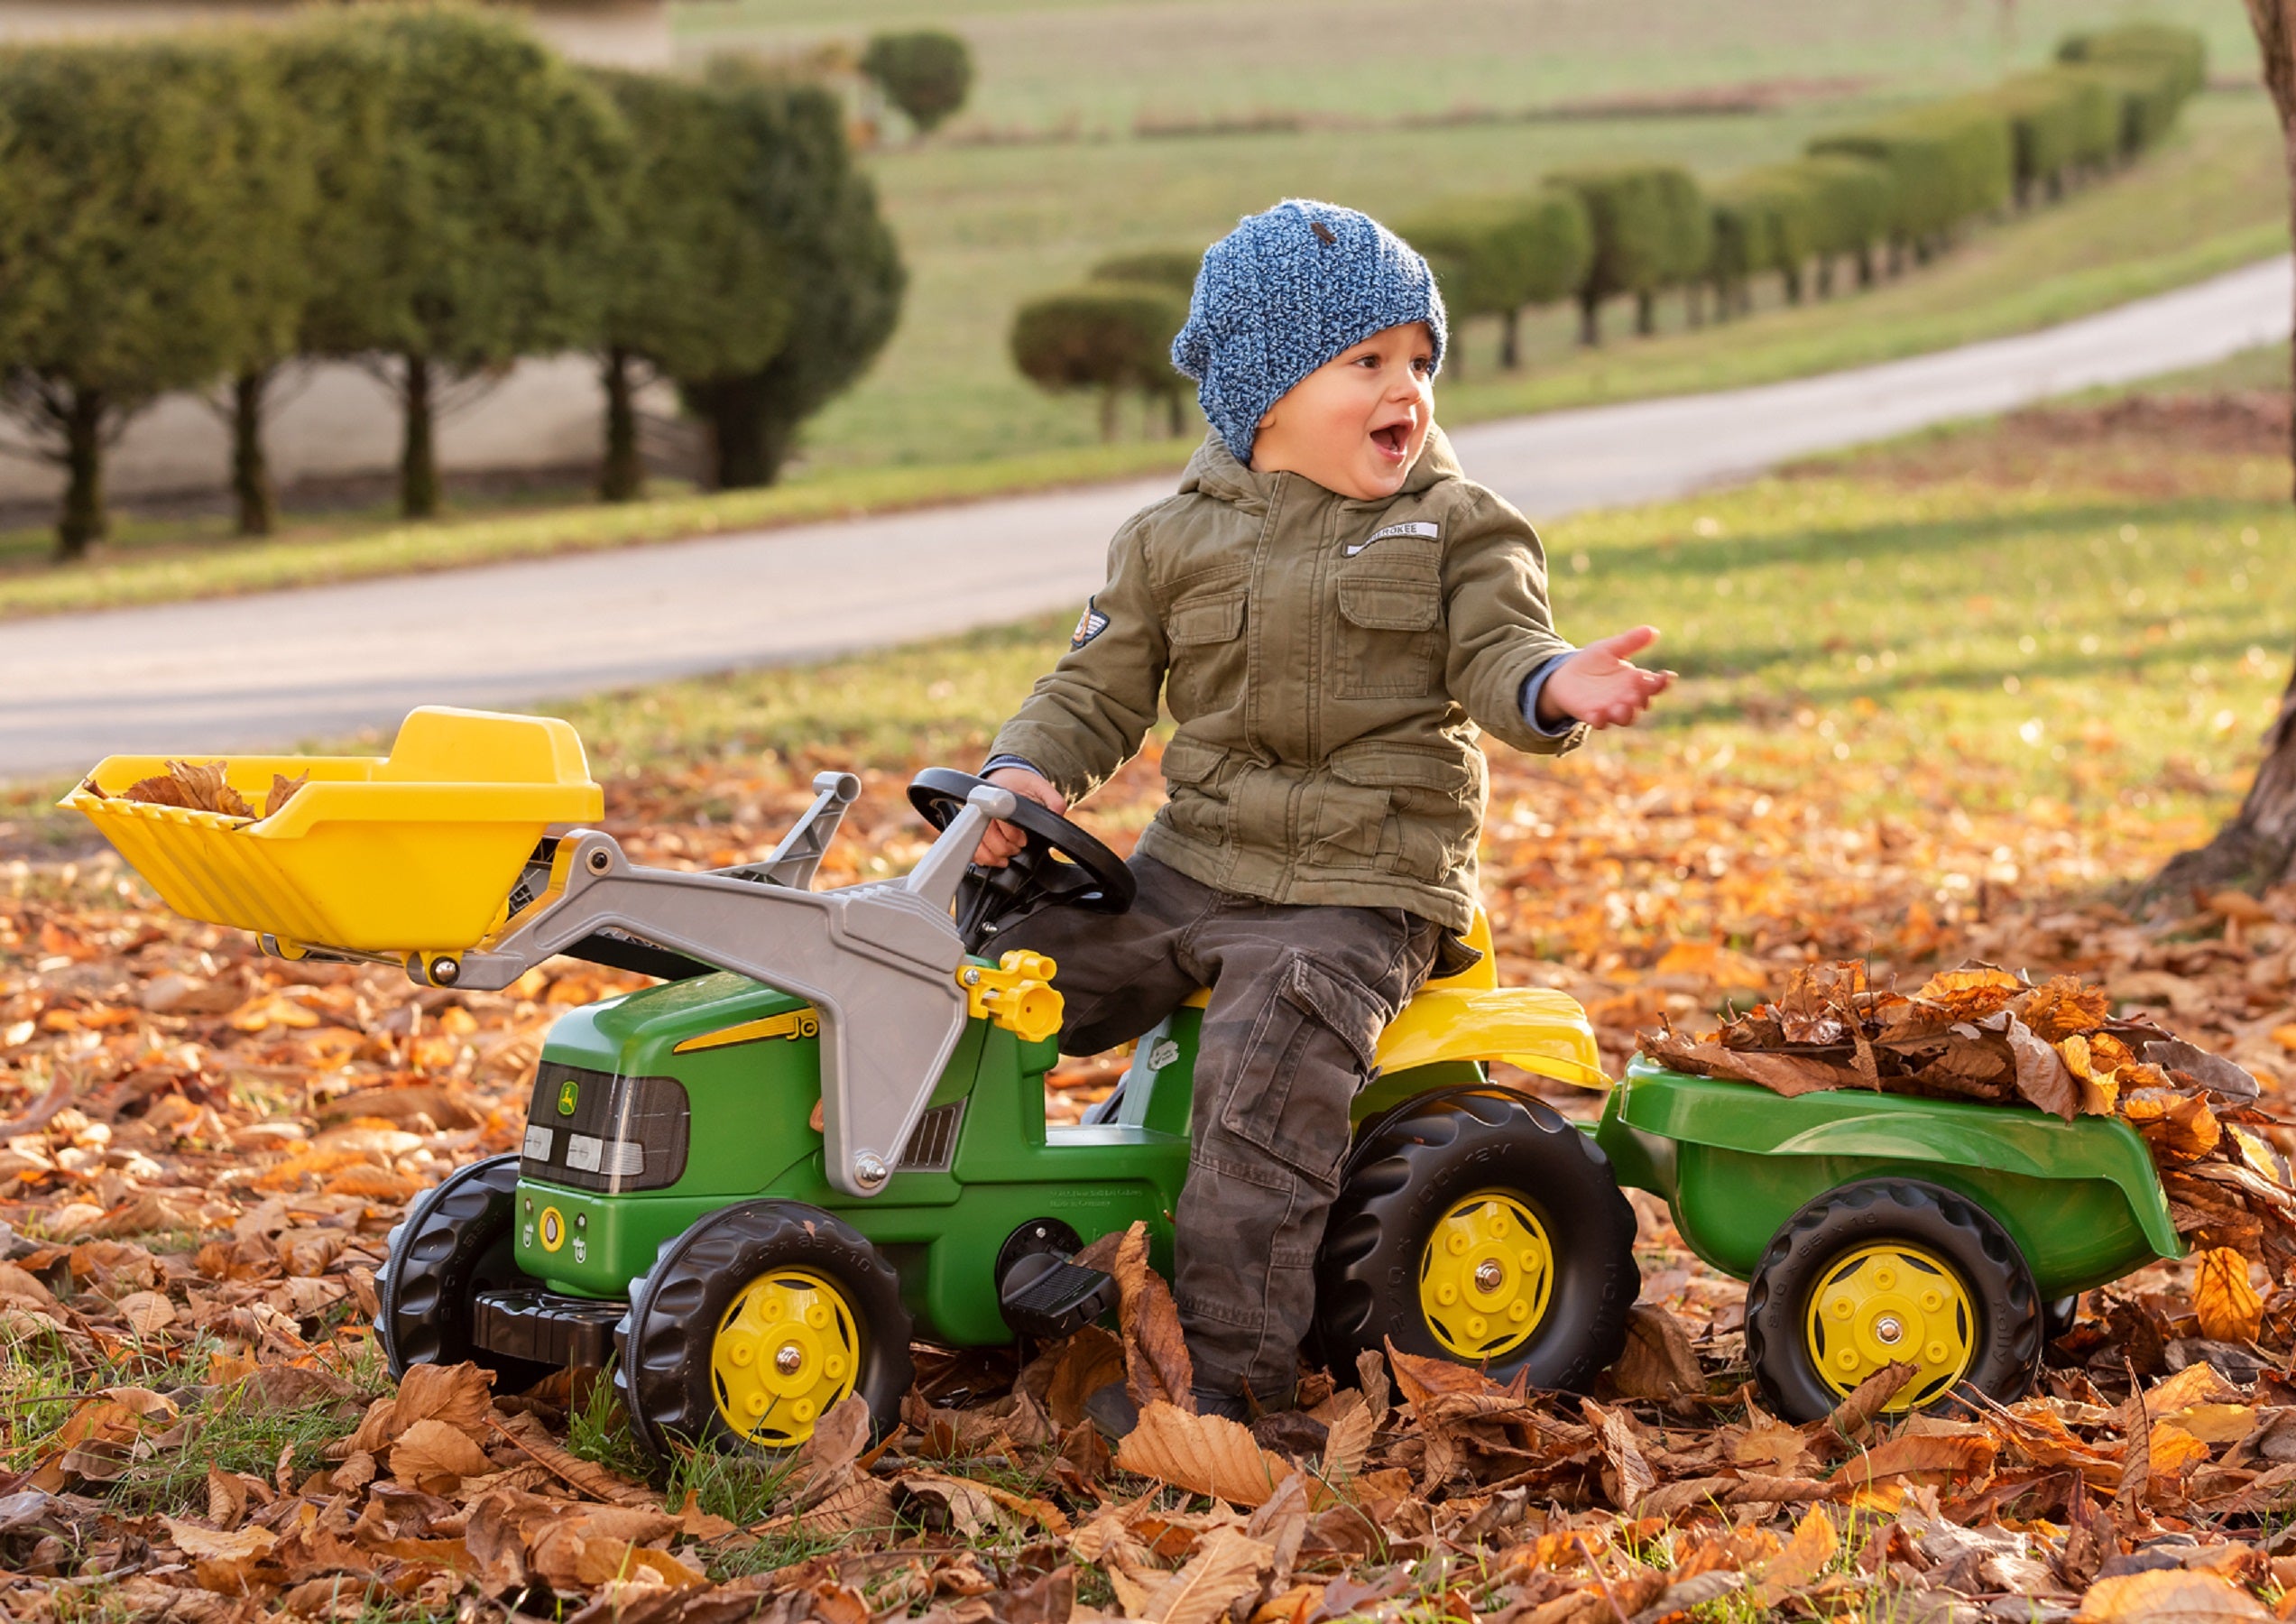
205 1150
1981 1033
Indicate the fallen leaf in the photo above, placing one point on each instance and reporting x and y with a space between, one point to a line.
1224 1570
2228 1307
2167 1596
1204 1454
1658 1361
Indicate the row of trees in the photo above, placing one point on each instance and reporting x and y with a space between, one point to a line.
429 190
1867 198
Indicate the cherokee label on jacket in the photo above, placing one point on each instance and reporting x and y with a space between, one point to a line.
1089 625
1415 527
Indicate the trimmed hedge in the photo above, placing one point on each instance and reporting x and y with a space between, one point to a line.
2058 122
2152 68
1950 162
1159 267
1651 231
925 72
1496 256
1765 220
1853 200
1111 337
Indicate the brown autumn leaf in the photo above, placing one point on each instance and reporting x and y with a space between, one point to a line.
1091 1360
434 1457
2042 1076
282 790
1348 1442
2177 1126
1798 1566
197 787
2228 1307
2167 1596
1939 1457
1225 1569
1422 1376
1631 1476
1658 1361
1204 1454
2064 1006
1786 1074
1971 993
1157 1367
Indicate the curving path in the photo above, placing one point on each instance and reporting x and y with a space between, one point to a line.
271 670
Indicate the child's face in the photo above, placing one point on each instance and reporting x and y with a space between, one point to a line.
1356 423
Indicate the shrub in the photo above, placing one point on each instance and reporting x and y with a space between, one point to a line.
1765 220
700 289
480 226
1114 337
926 73
1650 231
2053 116
1163 268
845 274
1496 256
137 185
2152 68
1852 201
1950 162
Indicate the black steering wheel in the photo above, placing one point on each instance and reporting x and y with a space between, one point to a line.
1060 863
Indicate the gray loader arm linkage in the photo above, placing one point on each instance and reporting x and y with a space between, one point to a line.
885 953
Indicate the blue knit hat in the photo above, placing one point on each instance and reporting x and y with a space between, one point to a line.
1283 293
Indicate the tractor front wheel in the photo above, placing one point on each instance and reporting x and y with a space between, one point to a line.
753 1324
1891 1271
455 1242
1477 1224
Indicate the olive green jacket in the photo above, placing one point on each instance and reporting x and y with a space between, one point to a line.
1328 662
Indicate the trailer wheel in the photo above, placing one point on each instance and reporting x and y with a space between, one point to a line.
1475 1225
753 1324
455 1242
1891 1269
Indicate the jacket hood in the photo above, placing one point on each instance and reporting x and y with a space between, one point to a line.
1213 471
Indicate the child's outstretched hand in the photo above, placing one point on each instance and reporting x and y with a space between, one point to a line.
1600 686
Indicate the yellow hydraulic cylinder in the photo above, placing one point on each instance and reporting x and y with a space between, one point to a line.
1017 994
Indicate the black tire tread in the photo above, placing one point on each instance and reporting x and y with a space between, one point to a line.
1412 1162
431 1267
2010 1354
662 1344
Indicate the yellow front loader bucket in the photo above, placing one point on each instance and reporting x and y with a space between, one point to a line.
415 851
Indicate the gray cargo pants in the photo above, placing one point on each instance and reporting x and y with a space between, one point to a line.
1299 995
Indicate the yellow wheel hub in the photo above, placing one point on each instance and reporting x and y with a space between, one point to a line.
1892 1302
787 1350
1486 1276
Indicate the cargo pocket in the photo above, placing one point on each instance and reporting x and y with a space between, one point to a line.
1428 802
1205 633
1389 640
1310 1050
1195 799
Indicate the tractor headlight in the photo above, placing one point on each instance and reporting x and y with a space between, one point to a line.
593 1131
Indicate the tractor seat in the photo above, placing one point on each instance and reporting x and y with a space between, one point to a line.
1470 1017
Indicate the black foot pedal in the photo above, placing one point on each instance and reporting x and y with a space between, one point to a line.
1046 1296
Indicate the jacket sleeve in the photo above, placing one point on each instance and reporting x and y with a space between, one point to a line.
1088 715
1494 598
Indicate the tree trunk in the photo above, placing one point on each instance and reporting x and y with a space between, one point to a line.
1864 264
1792 277
1825 276
736 431
1510 339
1694 304
83 522
1178 421
1107 414
1589 319
418 460
623 476
251 484
1646 313
2255 849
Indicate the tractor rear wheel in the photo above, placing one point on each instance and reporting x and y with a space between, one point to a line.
1475 1225
1891 1270
753 1324
455 1242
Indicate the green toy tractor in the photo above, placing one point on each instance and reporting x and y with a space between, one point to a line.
822 1135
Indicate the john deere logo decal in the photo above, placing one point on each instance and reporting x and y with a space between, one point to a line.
569 1093
553 1229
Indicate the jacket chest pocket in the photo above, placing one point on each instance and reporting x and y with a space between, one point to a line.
1390 634
1206 634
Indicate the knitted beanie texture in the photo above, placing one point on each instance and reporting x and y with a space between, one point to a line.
1283 293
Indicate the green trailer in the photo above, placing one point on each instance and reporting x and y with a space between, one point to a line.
1877 1228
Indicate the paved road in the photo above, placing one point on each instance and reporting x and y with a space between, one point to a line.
273 669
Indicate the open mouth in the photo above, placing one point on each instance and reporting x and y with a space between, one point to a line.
1393 440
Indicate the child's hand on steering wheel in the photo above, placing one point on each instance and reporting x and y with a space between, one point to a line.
1003 840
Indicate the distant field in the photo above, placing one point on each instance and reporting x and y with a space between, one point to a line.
1099 64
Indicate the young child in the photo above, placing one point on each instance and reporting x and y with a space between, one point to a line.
1330 612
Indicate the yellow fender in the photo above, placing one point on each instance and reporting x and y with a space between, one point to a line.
1535 1028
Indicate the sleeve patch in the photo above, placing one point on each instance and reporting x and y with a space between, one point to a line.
1089 625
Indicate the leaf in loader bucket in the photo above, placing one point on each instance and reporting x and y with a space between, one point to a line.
197 787
282 790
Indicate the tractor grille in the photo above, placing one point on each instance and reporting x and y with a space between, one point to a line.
933 1147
